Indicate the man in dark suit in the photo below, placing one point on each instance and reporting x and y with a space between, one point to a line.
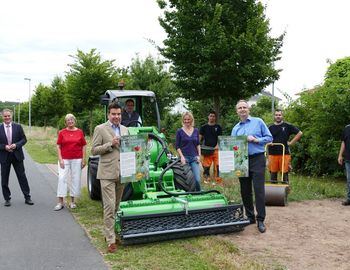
12 139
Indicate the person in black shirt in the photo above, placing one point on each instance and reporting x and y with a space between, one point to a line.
208 135
281 131
345 150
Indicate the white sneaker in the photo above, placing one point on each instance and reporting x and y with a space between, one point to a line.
72 205
58 207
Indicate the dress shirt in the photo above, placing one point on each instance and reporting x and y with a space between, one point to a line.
256 127
8 132
116 129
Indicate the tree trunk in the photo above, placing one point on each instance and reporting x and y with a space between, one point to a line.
216 100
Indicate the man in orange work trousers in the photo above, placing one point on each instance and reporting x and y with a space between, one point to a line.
208 134
281 131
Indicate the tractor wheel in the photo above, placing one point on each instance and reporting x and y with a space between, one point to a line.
93 184
127 192
184 177
94 187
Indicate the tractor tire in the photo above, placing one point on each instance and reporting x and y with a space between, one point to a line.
184 177
127 193
93 184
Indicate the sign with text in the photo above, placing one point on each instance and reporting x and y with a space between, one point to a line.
134 158
233 156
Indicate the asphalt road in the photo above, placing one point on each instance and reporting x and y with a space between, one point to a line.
36 237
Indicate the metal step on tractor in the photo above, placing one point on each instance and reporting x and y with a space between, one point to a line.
164 205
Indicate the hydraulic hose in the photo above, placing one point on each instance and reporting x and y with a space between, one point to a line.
164 148
160 184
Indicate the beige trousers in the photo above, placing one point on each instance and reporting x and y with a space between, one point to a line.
112 192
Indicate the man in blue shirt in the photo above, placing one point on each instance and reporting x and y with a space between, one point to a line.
258 135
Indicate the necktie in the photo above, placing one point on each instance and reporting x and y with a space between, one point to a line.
8 134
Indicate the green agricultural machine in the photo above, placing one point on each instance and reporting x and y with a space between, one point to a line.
164 206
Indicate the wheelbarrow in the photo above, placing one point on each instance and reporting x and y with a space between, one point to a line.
276 192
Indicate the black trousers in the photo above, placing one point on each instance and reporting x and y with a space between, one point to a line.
256 179
20 173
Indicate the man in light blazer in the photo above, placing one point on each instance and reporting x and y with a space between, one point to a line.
106 143
12 139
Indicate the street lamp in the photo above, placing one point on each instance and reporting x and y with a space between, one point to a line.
19 111
30 118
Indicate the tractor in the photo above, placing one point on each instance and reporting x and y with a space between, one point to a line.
164 205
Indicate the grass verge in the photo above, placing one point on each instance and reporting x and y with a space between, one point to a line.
302 188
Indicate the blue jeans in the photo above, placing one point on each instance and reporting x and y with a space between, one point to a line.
193 162
347 167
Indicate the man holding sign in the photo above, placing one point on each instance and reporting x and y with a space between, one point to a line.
258 135
106 143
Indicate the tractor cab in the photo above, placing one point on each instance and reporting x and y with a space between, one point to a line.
144 105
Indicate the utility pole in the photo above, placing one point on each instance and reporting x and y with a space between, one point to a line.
29 101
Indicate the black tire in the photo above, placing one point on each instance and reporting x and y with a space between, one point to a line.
93 184
128 191
184 177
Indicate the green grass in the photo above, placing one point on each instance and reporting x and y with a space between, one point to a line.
302 188
313 188
41 144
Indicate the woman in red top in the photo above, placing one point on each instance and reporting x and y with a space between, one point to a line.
71 157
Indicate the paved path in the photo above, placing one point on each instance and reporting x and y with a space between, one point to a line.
36 237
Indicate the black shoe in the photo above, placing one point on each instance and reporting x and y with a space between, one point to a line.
7 203
261 226
28 201
347 202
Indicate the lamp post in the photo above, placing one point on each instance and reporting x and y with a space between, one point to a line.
30 117
14 112
19 111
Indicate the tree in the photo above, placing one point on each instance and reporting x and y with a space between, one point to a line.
322 114
88 78
60 96
42 105
150 74
219 48
262 109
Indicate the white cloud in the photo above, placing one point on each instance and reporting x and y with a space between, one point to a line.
315 31
37 37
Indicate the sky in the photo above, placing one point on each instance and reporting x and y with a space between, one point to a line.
316 31
37 38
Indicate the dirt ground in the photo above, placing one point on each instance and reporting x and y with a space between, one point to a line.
304 235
